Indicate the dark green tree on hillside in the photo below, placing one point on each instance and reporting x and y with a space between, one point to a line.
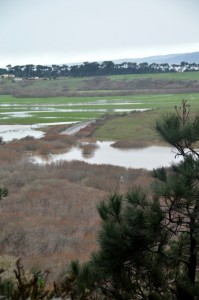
149 240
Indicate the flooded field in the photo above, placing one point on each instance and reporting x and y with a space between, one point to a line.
38 112
41 110
11 132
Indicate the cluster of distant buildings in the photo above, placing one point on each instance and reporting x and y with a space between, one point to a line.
14 78
10 76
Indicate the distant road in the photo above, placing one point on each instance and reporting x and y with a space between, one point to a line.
75 128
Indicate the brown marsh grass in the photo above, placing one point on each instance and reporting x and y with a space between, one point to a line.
50 216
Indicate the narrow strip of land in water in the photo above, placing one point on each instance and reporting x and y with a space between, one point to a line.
75 128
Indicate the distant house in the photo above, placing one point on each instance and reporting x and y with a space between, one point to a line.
8 76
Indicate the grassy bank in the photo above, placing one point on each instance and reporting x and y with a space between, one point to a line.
138 126
120 85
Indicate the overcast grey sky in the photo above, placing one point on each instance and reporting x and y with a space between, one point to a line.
64 31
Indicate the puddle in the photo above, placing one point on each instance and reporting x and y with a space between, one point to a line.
17 114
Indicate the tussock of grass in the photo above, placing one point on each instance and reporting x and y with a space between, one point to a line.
130 144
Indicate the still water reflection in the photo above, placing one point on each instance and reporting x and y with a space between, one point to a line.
103 153
11 132
98 153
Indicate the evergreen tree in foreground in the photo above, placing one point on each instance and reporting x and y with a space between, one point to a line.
149 240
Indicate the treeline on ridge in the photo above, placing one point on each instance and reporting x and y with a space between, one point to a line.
94 69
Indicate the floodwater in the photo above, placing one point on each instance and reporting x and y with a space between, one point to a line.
97 153
147 158
11 132
49 106
101 106
29 113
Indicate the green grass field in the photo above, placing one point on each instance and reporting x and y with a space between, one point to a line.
137 126
161 76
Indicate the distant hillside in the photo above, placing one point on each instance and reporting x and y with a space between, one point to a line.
170 58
